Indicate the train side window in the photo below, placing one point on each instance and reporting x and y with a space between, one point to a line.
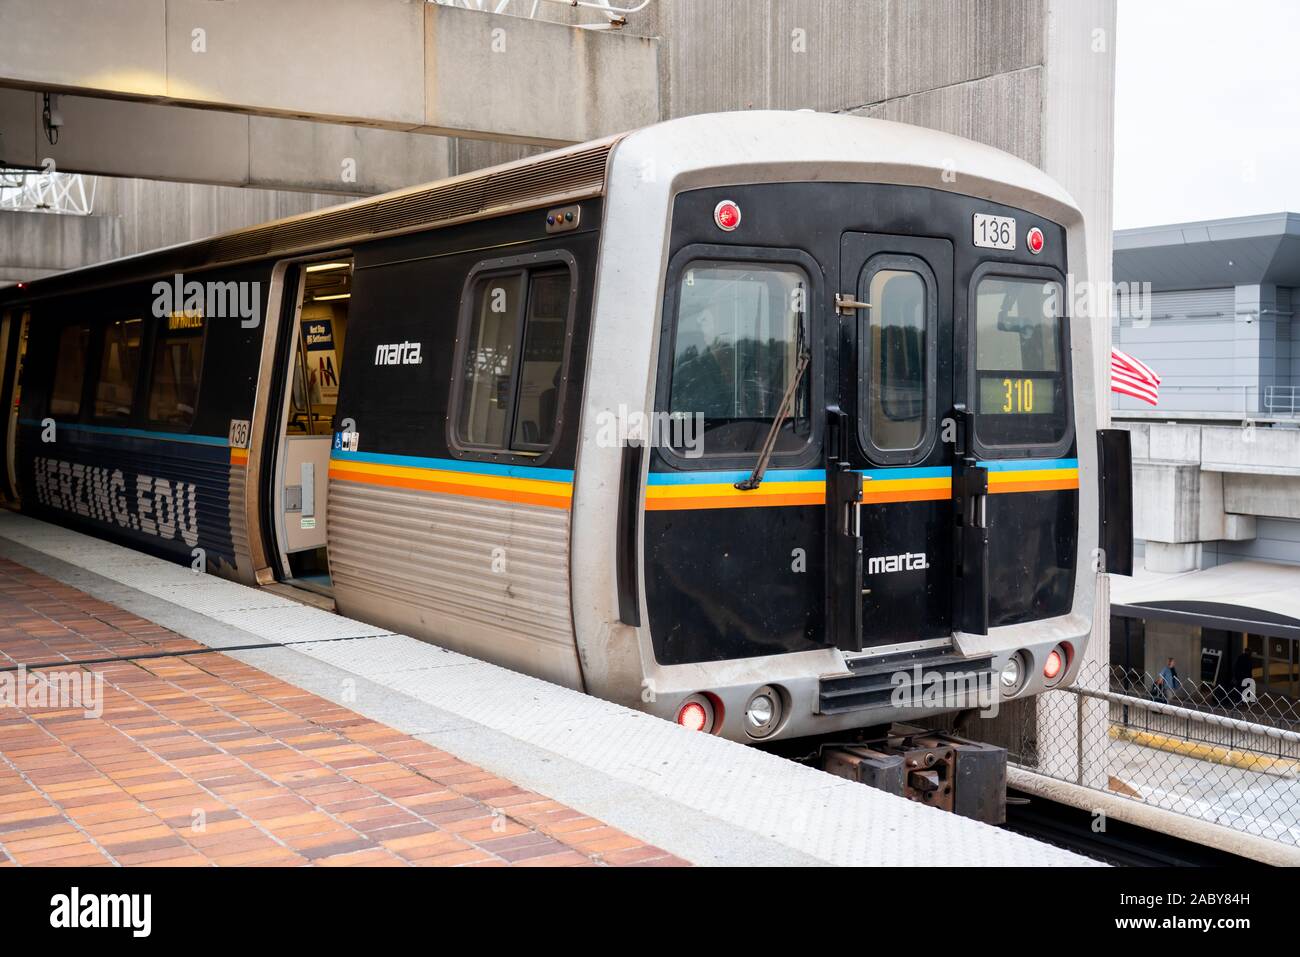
506 397
540 365
177 362
70 371
119 369
487 386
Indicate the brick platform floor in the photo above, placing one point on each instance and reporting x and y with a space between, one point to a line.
200 759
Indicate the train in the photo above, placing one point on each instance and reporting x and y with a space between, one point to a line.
773 424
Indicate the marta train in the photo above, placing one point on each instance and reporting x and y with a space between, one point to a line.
754 421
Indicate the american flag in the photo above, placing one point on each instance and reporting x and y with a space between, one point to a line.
1129 376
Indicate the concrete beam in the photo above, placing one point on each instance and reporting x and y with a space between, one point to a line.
152 141
399 65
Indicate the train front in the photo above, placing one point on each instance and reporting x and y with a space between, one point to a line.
863 484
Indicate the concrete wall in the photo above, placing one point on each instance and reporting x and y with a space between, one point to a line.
36 244
1276 540
1204 495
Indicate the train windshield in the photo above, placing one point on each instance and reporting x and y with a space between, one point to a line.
736 352
1019 362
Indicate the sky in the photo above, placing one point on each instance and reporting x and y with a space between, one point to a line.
1207 111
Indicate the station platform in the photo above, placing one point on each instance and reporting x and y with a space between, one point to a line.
238 726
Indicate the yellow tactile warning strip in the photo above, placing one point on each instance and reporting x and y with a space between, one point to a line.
203 760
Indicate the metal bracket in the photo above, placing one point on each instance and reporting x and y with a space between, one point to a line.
846 305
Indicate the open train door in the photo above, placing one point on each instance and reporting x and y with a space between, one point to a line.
294 478
13 347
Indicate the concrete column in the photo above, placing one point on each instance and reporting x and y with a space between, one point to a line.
1078 150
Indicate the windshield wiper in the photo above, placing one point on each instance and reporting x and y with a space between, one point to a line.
769 444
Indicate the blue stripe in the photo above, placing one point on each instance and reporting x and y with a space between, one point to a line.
137 433
884 475
1029 465
456 465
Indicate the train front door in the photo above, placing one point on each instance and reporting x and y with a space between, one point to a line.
892 449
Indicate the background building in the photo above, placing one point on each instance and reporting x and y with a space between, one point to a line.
1217 464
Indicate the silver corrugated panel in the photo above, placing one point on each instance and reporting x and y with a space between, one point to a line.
239 522
423 562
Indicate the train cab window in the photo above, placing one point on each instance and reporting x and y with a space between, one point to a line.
737 341
511 370
177 361
70 371
119 369
897 356
1019 362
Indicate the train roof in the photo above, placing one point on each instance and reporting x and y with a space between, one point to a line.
825 146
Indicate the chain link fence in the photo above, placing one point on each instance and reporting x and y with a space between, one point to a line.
1228 756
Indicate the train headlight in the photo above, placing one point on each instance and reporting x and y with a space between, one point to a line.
763 712
1013 674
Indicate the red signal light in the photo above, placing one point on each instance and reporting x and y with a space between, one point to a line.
1035 240
693 717
1052 669
727 215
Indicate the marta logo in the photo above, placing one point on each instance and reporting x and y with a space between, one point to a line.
75 909
906 562
398 354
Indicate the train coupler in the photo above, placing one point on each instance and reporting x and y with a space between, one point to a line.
929 767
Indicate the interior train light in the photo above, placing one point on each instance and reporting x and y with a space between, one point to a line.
693 716
727 215
1054 664
1035 240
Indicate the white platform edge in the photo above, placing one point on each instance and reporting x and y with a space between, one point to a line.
702 798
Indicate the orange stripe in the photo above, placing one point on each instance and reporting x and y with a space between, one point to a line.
1040 486
560 499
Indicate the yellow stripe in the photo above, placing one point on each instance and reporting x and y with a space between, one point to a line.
238 456
712 490
471 479
1215 754
1031 476
548 494
722 495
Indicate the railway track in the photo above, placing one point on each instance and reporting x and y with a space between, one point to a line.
1121 844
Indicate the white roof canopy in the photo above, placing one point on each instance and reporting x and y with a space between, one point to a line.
1259 597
